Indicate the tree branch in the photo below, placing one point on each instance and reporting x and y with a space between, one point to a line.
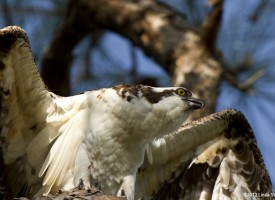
57 59
211 25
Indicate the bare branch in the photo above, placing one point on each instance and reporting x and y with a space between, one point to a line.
58 56
247 85
211 25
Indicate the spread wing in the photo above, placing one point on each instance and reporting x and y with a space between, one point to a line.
37 127
215 157
24 102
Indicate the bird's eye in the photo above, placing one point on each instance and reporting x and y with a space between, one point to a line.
181 92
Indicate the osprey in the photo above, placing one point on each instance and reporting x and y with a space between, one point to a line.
128 138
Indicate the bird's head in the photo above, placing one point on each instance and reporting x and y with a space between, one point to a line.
157 110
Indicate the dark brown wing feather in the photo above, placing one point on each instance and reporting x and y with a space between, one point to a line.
228 165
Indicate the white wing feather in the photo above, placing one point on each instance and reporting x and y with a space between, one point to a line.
61 157
39 130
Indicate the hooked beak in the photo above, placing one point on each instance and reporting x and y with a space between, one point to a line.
194 103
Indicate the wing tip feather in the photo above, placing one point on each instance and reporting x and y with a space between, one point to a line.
8 37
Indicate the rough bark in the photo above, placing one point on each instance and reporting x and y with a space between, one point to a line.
92 194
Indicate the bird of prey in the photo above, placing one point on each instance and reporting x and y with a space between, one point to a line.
127 138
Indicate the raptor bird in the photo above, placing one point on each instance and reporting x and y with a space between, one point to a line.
128 138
